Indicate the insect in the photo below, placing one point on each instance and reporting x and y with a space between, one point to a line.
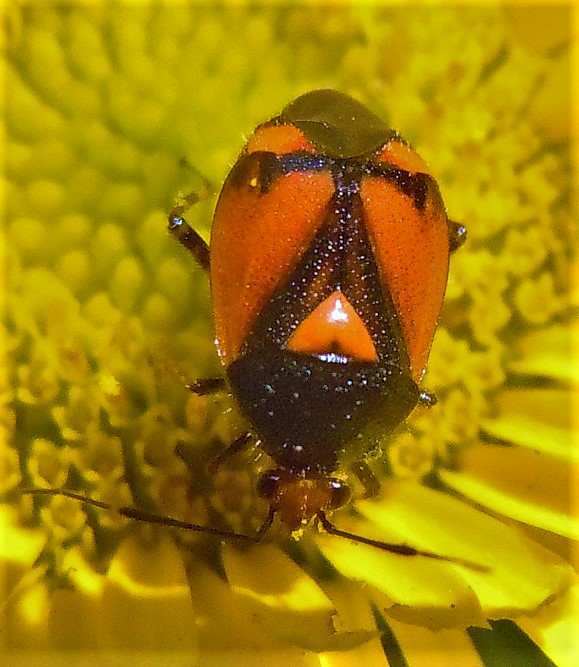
328 265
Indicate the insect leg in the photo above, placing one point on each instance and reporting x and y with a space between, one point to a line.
207 386
456 235
368 479
181 229
238 445
427 399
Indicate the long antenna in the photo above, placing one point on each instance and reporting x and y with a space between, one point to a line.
144 516
401 549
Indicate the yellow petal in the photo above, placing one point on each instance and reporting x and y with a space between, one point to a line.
354 612
549 353
519 483
144 604
519 578
554 629
413 590
284 601
18 545
24 618
435 648
537 419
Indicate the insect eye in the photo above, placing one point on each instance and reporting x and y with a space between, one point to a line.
340 493
269 484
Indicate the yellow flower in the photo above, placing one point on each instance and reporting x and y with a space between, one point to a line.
110 111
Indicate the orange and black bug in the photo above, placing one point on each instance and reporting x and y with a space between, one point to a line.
328 265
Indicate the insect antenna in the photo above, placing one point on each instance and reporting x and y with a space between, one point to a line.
400 549
150 517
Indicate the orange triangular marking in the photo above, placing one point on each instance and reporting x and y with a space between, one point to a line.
334 327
